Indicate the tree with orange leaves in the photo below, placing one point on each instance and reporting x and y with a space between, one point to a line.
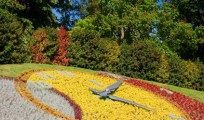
41 42
63 38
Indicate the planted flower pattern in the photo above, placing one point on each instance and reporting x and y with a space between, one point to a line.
71 89
52 99
14 107
76 84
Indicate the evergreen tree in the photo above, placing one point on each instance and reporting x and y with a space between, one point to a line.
14 43
191 11
38 12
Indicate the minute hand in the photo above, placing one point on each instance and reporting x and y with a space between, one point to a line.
129 102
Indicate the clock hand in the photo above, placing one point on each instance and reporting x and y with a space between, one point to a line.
94 91
114 86
103 94
108 90
129 102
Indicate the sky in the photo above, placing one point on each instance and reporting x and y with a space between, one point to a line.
56 14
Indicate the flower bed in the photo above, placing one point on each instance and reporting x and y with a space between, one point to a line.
13 106
25 93
76 86
76 108
51 98
73 87
194 108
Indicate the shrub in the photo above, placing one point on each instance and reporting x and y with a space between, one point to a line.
183 73
143 59
126 61
191 73
14 38
200 81
101 54
88 50
83 35
162 74
146 55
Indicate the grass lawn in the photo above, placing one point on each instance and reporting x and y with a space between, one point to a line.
14 70
199 95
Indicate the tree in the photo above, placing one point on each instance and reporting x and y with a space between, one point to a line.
40 43
179 36
14 38
121 19
38 12
12 6
70 11
61 56
200 33
191 11
9 24
44 45
181 26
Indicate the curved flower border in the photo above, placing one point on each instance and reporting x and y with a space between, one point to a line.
77 110
20 85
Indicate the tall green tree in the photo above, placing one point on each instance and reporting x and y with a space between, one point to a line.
191 11
37 11
12 6
14 38
70 11
200 33
121 19
179 36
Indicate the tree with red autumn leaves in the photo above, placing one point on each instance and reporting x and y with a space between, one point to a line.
41 42
60 57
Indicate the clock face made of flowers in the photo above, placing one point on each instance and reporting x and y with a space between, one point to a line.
107 93
101 97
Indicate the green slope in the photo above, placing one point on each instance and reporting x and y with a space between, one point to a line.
13 70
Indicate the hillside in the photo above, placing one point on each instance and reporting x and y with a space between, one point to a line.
13 70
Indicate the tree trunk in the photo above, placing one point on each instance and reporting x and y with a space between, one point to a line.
122 34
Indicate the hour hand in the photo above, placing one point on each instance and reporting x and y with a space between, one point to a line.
114 86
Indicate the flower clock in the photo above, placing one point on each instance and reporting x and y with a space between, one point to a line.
71 95
94 97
